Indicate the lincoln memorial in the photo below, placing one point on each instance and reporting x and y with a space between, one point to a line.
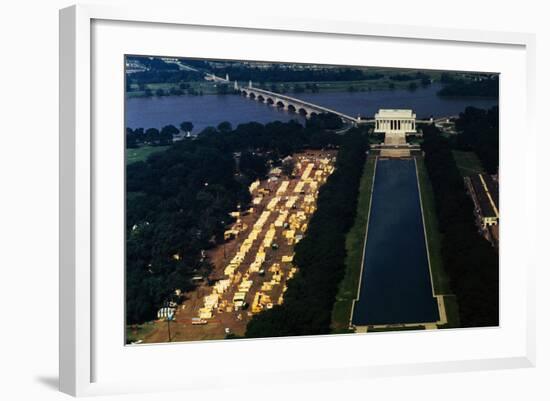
395 121
395 124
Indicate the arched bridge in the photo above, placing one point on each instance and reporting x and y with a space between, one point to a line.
290 103
298 106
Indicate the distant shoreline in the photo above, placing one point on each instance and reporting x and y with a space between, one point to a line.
200 88
141 95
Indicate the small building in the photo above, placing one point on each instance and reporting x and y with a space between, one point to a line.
239 300
275 172
395 124
166 313
287 159
483 189
395 121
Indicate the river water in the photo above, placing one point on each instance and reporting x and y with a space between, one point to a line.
395 282
210 110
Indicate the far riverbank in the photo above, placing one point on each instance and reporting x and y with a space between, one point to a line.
210 110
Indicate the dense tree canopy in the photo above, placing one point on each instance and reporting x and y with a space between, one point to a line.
282 73
151 136
329 121
478 130
470 261
178 202
224 127
425 78
159 71
186 126
487 87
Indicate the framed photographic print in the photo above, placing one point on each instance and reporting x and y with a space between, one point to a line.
296 199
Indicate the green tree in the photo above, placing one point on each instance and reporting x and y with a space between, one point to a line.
187 127
478 130
253 166
131 139
152 136
224 127
324 121
167 134
288 166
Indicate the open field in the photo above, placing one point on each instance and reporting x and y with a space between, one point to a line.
142 153
251 269
355 239
467 162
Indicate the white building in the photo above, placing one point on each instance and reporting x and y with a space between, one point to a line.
395 121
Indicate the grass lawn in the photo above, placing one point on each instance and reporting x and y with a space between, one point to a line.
439 276
467 162
142 153
355 239
451 308
137 332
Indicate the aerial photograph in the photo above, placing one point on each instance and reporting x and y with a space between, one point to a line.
271 199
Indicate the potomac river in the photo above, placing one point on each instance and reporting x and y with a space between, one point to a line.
210 110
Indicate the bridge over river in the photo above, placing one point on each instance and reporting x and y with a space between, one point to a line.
299 106
306 109
291 103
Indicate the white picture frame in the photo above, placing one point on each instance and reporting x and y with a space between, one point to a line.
79 341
